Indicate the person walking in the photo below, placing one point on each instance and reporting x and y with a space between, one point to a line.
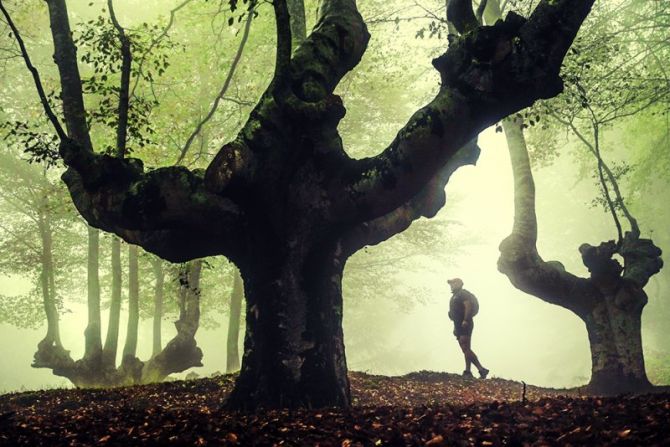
463 306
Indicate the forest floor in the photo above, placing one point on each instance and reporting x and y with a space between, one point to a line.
419 409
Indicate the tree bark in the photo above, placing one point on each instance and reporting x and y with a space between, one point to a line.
93 348
614 329
296 9
48 284
130 363
112 339
181 352
50 350
293 348
232 343
157 265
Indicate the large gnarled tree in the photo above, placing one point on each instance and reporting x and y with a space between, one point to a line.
610 301
285 202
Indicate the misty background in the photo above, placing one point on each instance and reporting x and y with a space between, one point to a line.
396 294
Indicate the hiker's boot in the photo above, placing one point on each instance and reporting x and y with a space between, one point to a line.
483 373
467 374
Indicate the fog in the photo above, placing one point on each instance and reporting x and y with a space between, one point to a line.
516 336
393 330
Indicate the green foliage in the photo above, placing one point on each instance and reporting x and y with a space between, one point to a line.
100 49
39 146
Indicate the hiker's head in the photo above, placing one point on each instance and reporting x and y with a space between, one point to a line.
455 284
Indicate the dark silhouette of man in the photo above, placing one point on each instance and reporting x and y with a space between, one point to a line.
462 308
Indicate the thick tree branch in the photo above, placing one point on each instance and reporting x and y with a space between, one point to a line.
296 9
65 55
486 76
124 88
283 24
334 47
425 204
167 211
519 258
461 15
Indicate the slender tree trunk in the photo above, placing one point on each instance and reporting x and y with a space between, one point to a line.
93 348
131 365
50 352
48 283
112 339
293 348
130 347
232 348
157 265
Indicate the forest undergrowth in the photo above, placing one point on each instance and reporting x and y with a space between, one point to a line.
418 409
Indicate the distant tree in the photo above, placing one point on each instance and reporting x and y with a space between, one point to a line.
607 82
37 223
284 202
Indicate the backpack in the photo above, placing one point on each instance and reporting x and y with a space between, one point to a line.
473 302
475 305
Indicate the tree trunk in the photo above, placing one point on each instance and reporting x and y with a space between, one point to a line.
50 351
93 348
232 348
616 343
609 304
182 351
130 363
112 339
293 348
48 283
157 265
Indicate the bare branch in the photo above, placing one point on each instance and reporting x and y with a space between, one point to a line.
156 41
223 91
36 76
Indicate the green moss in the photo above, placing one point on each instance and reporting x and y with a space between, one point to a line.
313 90
199 197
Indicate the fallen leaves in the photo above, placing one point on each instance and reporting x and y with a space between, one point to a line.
420 409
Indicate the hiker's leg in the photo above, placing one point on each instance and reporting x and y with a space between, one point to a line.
475 360
470 357
464 342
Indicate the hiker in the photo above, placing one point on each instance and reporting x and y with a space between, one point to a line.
463 306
